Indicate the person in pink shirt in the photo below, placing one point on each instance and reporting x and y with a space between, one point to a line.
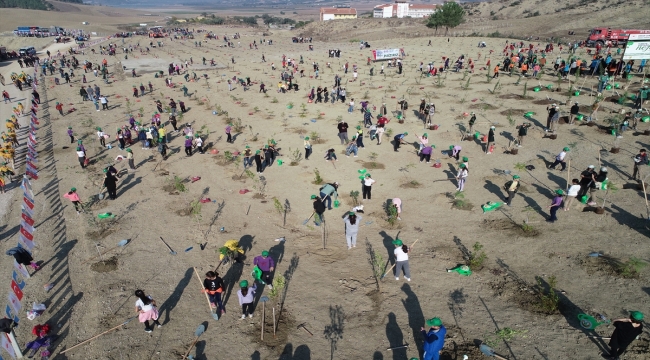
397 203
536 69
228 130
76 201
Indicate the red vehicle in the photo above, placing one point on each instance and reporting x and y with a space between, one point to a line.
601 35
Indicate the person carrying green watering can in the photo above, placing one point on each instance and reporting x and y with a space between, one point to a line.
266 265
326 193
626 330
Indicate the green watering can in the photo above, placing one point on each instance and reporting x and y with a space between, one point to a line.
106 215
477 135
337 203
462 270
608 87
584 199
645 119
549 86
529 114
617 86
579 117
589 322
490 206
280 162
362 171
577 93
536 89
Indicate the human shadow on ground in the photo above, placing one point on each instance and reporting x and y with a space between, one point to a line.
387 240
395 337
416 317
170 303
302 352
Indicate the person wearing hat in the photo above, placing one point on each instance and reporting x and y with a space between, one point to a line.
308 148
575 110
110 183
81 155
512 187
367 186
424 141
259 159
423 106
461 177
5 171
625 331
552 112
74 198
401 260
327 191
587 180
359 137
228 130
352 147
246 297
431 109
472 121
560 159
100 136
399 140
129 157
455 152
198 143
265 263
343 132
319 209
248 157
188 145
352 222
434 338
599 178
640 159
490 143
556 203
70 134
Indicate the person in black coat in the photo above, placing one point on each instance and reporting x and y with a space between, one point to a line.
22 257
626 330
319 208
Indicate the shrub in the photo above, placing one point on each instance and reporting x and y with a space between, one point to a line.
549 301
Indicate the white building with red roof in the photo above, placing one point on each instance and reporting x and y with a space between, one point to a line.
334 13
402 9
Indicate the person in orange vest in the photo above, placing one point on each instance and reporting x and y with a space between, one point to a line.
213 286
496 71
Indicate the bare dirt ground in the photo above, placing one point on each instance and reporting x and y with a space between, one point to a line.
91 296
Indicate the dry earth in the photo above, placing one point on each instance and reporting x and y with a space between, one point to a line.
90 296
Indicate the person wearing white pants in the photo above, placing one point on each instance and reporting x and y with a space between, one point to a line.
351 228
402 260
461 177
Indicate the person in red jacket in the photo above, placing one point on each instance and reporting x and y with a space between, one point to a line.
76 201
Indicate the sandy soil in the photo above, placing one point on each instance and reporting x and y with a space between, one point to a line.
90 296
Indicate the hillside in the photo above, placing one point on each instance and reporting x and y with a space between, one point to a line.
26 4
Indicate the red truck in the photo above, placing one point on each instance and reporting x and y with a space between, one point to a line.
601 35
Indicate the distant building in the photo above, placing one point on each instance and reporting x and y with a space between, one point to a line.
402 9
337 13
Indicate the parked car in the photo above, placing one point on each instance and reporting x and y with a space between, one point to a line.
27 51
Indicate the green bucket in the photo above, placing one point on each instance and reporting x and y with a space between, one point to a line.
584 199
105 215
549 86
289 106
280 162
490 206
645 119
529 114
337 203
617 86
362 171
477 135
451 147
579 117
576 93
399 117
608 87
536 89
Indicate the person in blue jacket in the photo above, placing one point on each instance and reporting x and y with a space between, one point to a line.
434 339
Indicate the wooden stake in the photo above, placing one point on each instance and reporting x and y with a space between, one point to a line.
263 318
203 289
568 174
98 335
274 321
645 195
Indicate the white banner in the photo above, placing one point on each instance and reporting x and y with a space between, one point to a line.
637 50
387 54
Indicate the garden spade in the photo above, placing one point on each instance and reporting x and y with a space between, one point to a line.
168 247
199 331
489 352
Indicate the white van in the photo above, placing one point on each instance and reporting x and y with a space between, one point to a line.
26 51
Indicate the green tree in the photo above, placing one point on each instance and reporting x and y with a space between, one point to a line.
448 15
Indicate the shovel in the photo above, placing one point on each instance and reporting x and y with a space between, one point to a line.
489 352
309 218
119 244
100 196
168 247
214 315
199 331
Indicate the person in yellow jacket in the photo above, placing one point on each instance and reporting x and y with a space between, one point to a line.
8 155
20 108
6 172
13 136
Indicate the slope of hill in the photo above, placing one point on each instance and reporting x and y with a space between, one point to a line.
26 4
